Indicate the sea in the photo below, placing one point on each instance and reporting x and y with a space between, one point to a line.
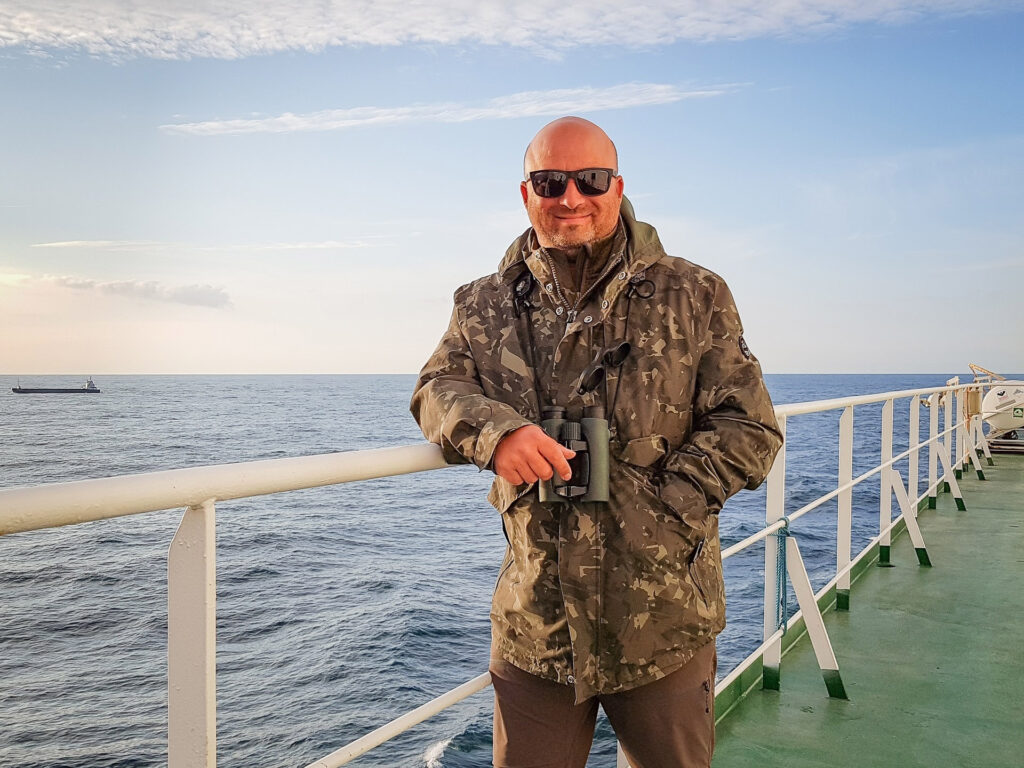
338 608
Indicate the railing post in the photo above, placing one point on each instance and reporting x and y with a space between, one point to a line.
913 440
844 521
775 508
961 455
980 439
192 642
948 439
933 460
885 491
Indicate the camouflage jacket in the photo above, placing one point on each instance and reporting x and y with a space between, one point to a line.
607 596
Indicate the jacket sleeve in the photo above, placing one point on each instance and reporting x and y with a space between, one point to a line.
450 406
734 435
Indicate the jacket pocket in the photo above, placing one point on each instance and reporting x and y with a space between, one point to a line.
685 500
506 564
645 451
698 567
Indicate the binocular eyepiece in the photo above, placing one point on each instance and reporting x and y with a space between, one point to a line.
589 438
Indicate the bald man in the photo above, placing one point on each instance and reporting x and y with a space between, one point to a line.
609 596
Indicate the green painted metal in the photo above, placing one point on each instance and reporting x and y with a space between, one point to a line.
748 680
842 599
884 555
770 678
931 659
922 556
932 502
960 505
834 684
945 487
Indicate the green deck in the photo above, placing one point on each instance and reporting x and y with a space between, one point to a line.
932 658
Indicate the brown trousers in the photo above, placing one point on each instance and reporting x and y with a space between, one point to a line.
669 723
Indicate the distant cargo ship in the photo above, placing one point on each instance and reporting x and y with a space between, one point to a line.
89 386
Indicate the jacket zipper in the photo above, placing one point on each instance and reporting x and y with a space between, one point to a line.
573 311
569 311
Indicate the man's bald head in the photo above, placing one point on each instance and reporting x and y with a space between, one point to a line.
569 131
571 218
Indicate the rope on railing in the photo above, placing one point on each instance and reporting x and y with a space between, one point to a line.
782 593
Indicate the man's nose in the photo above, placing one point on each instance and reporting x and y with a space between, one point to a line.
571 197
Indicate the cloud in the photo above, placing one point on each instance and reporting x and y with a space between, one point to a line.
215 29
106 245
154 245
525 104
191 295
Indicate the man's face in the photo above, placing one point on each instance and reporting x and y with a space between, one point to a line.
572 219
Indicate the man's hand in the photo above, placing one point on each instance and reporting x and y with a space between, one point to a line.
529 454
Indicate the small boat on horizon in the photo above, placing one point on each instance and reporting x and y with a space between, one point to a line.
89 386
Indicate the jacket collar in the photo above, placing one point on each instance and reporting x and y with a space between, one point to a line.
643 247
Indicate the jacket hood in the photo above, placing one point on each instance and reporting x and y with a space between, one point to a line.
643 244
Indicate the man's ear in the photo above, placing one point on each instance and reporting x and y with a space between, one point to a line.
524 191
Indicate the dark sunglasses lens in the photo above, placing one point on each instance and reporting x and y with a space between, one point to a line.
593 181
549 183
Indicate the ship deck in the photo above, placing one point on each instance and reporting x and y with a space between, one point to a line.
932 658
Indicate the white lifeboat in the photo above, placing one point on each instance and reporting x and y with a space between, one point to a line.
1003 408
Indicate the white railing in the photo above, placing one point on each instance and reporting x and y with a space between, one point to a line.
192 573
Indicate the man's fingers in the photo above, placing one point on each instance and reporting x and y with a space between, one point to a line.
525 472
539 465
557 454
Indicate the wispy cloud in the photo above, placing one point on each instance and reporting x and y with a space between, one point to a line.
516 105
150 290
13 279
106 245
156 245
215 29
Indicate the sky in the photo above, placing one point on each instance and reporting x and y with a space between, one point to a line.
286 187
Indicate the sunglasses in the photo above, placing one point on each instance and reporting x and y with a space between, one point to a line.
589 181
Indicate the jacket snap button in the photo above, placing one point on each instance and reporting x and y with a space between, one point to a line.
571 680
549 287
559 310
587 319
604 304
622 275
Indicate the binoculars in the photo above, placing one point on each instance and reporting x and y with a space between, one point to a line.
589 438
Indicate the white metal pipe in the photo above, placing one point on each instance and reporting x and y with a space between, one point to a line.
933 462
885 482
912 441
816 406
400 725
752 539
775 509
844 518
949 437
192 641
48 506
959 403
856 481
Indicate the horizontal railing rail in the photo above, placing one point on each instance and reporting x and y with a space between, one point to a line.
192 572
